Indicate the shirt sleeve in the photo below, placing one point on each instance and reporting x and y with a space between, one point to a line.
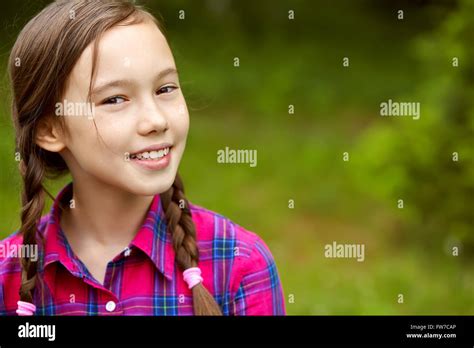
260 291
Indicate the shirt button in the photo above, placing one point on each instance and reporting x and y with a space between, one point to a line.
110 306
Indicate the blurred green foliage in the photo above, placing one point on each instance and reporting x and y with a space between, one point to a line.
429 162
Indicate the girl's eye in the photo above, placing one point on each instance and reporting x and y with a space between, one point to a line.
166 89
114 100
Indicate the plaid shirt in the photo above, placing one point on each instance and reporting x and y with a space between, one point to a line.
237 267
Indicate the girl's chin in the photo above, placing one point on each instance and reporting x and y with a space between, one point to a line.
152 185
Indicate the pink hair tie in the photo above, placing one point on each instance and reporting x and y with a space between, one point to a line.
25 308
192 276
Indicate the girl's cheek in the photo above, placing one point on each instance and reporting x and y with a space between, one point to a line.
79 131
180 123
180 117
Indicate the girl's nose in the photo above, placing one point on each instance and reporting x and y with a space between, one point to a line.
152 118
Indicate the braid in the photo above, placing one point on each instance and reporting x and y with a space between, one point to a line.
181 226
32 207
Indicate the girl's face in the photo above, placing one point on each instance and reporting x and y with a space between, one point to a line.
137 103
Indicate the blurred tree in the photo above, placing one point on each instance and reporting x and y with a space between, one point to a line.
429 162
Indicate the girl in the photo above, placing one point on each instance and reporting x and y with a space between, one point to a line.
96 93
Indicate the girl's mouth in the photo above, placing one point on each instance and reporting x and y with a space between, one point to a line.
154 160
151 155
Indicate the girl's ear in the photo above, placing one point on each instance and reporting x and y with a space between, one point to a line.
49 136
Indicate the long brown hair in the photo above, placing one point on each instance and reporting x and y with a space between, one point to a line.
41 60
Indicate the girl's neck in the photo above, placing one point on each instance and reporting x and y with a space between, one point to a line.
104 215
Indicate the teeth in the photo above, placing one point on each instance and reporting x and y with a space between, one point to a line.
152 154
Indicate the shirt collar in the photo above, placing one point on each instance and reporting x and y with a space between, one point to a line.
152 238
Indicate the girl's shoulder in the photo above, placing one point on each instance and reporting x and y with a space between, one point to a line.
240 259
11 251
10 270
213 226
12 248
224 237
8 250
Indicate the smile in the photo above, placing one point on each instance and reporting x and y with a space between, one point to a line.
151 155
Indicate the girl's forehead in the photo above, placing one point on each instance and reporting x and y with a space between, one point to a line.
135 38
136 50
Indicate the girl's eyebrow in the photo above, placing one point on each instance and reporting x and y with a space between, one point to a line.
127 82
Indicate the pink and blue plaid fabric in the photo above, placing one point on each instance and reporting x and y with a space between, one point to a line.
237 267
